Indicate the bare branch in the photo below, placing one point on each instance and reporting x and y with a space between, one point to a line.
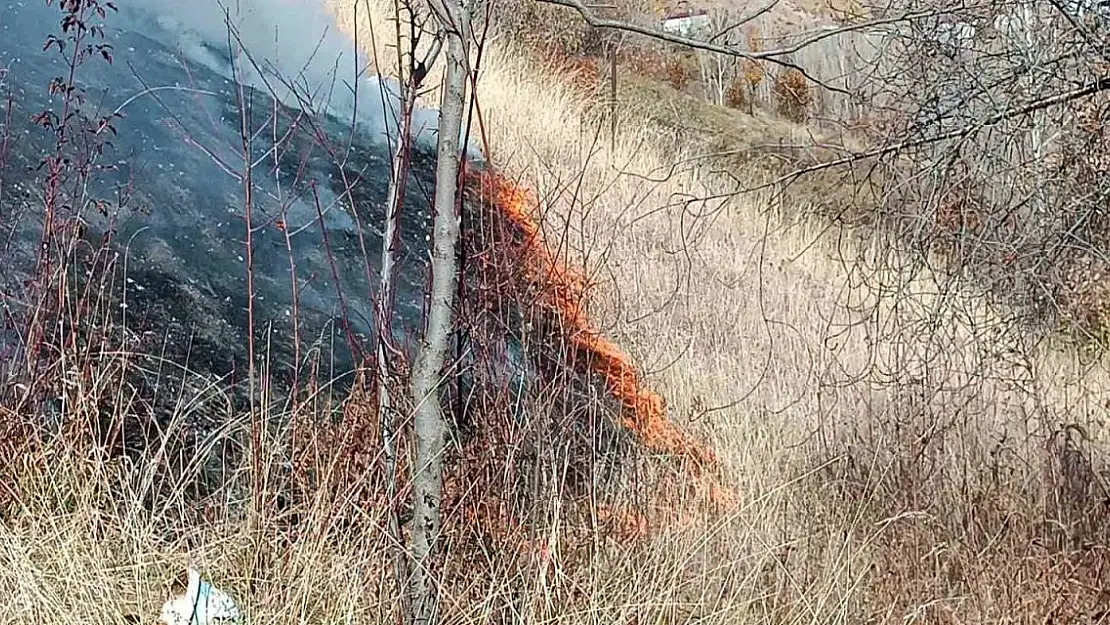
960 133
775 55
744 20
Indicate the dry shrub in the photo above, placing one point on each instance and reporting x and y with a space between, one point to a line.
1084 296
753 71
582 74
736 95
962 519
1079 173
793 97
680 70
958 214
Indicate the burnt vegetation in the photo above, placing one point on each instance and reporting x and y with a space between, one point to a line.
179 390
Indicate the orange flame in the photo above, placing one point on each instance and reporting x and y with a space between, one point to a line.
644 411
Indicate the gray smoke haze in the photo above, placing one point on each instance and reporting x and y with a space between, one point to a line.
296 40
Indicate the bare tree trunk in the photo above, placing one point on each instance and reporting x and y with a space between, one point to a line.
429 425
386 350
410 79
1033 57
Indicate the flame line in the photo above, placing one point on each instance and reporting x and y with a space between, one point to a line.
564 290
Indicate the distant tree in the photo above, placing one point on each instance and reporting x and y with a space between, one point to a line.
718 72
792 95
753 70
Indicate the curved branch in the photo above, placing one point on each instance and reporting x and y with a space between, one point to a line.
959 133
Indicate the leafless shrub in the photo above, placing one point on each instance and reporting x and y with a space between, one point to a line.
736 96
680 69
46 327
792 95
991 156
752 73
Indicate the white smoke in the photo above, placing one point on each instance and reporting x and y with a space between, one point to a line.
294 41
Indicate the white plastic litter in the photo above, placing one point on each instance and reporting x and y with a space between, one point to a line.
202 604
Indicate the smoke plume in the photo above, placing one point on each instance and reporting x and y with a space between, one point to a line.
292 42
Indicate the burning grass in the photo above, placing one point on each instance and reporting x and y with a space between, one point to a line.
563 292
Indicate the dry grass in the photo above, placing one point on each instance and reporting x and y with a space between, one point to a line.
938 416
889 439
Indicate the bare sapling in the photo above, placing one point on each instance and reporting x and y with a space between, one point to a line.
68 173
410 74
242 95
453 17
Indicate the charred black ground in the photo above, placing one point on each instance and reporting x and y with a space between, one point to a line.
167 248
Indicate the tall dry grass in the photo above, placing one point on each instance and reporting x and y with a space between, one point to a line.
893 445
900 450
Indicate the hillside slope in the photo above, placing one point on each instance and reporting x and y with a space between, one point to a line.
867 409
896 449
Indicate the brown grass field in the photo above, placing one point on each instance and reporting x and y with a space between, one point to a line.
896 451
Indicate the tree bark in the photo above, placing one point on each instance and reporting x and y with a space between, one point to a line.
386 350
429 423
